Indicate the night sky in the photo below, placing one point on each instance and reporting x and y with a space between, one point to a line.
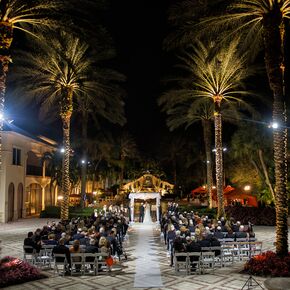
138 29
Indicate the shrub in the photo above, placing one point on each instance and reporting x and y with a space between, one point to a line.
256 215
268 264
15 271
50 212
54 212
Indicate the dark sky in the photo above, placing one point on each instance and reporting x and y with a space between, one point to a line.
138 29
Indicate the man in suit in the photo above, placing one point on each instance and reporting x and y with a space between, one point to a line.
141 213
62 249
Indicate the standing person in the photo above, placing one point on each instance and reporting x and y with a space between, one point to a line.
141 213
147 216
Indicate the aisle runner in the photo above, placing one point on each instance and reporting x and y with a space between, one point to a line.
147 260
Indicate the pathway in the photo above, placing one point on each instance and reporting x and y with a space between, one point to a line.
147 259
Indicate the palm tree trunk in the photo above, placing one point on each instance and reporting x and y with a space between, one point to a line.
219 159
84 157
66 112
266 175
273 43
65 168
206 125
6 37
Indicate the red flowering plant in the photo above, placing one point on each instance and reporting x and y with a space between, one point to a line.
268 264
15 271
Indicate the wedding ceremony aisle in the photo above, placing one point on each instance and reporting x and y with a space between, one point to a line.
147 271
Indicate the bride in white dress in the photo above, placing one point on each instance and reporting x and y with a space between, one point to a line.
147 215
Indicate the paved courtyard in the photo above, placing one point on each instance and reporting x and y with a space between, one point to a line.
147 265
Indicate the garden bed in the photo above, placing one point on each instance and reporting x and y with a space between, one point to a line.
15 271
268 264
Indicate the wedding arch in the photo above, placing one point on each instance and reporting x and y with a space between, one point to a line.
144 196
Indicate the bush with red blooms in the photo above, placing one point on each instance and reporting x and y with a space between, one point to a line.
268 264
15 271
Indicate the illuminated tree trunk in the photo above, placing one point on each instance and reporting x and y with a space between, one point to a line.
206 125
66 112
274 43
219 158
84 157
6 37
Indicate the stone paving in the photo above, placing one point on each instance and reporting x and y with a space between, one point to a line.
123 274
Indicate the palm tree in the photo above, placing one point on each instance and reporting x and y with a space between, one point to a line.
56 77
219 79
261 23
21 15
127 148
187 112
106 103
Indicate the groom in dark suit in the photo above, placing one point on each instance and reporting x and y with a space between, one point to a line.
141 213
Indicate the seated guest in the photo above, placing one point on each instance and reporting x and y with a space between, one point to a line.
205 242
51 240
230 234
30 242
74 249
179 246
112 239
78 235
241 234
93 247
192 246
214 242
218 233
236 226
62 249
104 245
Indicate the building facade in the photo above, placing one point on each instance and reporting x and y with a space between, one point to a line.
25 187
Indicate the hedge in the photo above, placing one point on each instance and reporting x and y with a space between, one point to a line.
54 212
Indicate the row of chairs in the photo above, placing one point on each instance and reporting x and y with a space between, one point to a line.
209 257
81 263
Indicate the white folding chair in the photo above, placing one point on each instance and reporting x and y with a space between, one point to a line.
255 248
208 260
194 263
227 254
77 263
29 255
180 262
60 263
101 261
90 263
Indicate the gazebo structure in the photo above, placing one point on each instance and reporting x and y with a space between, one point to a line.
144 196
147 187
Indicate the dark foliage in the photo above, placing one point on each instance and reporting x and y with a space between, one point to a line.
256 215
54 212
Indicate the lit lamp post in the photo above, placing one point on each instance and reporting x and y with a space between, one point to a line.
83 182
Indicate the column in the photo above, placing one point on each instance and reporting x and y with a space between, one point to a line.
43 169
157 209
132 209
42 197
